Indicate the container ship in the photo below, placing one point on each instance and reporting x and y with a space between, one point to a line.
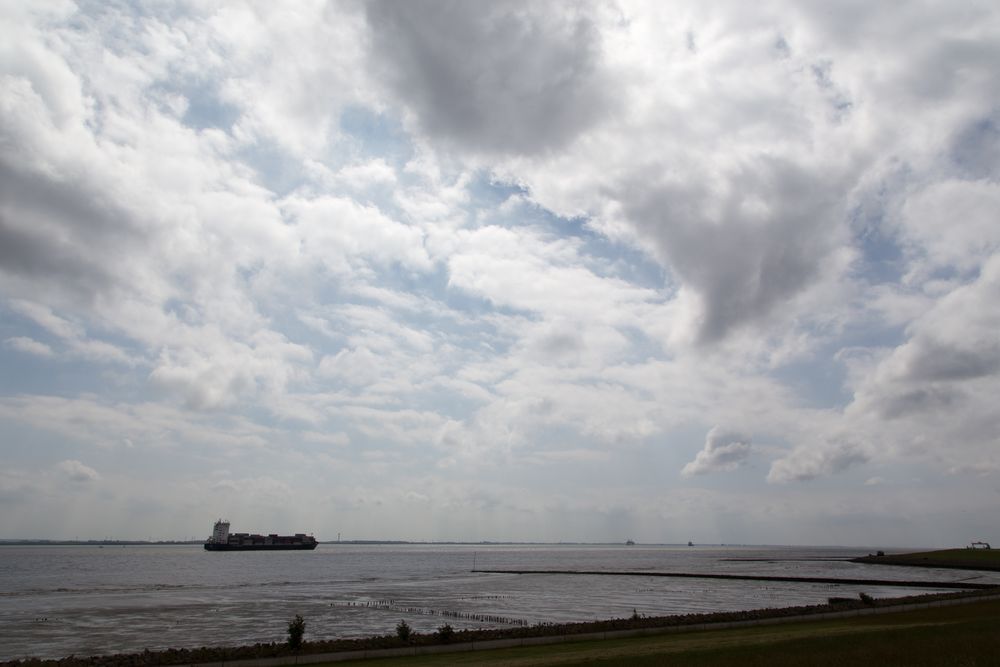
223 540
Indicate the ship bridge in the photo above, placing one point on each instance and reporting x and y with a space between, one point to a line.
220 534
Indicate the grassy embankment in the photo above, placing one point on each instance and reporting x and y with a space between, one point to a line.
962 559
960 635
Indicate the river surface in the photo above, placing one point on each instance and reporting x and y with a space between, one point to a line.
57 601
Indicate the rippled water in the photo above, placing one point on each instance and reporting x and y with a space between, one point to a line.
61 600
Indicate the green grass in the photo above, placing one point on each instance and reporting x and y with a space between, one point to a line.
986 559
967 634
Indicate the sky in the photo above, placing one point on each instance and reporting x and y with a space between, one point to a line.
716 271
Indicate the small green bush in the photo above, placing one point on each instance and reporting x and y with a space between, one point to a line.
867 599
403 631
445 633
296 628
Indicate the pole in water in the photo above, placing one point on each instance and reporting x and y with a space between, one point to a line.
473 561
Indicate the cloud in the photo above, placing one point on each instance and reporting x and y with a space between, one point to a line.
91 420
724 451
972 237
18 488
44 317
342 234
358 178
218 372
275 69
262 491
807 462
73 336
523 269
53 229
981 468
29 346
976 147
747 243
929 360
728 168
508 77
359 367
78 472
950 360
475 238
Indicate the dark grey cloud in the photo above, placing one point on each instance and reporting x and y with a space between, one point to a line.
747 249
493 77
561 346
30 255
936 362
924 400
60 233
976 148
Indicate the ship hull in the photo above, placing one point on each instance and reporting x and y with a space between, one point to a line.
259 547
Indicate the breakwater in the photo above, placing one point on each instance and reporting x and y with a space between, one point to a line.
956 585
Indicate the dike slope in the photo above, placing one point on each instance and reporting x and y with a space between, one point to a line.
955 559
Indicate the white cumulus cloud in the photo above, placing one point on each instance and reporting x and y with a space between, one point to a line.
723 451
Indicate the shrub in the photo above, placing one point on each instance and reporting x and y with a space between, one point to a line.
296 628
445 633
403 631
867 599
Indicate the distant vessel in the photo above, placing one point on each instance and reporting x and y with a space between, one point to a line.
690 543
223 540
630 543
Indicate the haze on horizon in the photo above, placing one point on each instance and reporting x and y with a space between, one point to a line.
511 271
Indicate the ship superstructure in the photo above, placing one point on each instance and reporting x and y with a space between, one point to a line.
223 540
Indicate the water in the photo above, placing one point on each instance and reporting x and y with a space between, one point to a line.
61 600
